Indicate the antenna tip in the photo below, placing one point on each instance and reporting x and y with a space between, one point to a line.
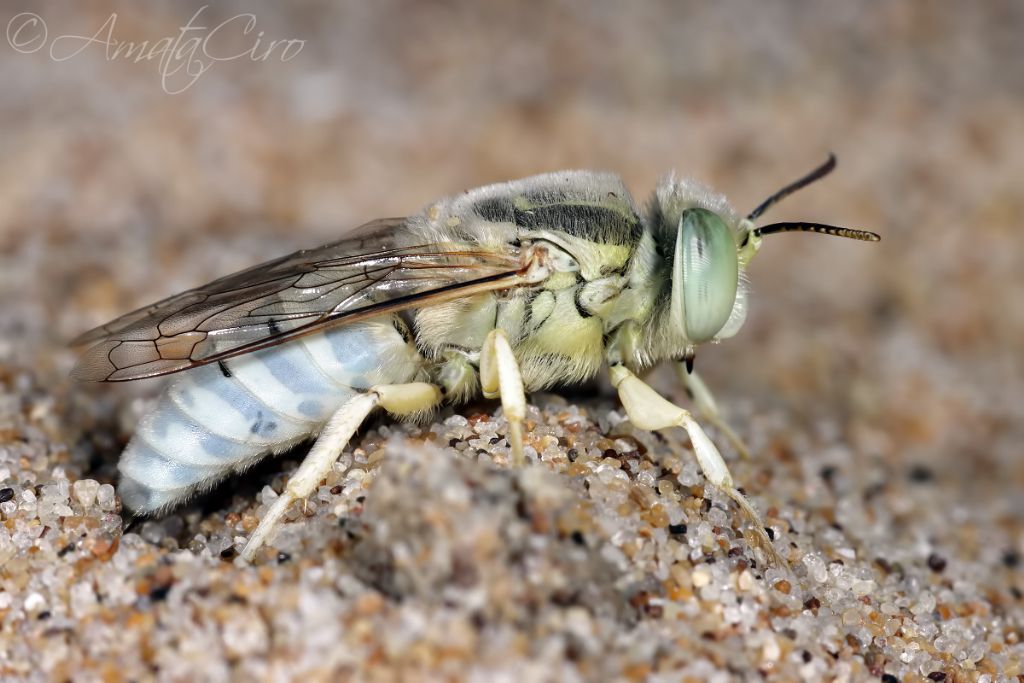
862 235
820 228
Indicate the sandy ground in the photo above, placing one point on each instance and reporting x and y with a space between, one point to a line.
879 385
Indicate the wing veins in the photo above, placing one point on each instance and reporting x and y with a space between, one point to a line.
235 309
348 316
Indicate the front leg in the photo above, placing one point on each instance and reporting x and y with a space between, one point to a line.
705 402
648 410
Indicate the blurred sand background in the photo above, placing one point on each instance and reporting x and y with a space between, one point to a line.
897 365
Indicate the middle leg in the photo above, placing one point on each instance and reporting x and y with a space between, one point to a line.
500 376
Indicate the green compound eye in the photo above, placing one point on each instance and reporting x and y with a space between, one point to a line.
708 265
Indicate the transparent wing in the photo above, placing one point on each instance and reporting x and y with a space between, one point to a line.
285 298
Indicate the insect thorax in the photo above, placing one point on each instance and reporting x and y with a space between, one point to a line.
610 279
556 328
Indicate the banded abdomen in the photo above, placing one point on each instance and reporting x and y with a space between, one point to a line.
222 418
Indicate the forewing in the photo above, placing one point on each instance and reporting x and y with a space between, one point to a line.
288 297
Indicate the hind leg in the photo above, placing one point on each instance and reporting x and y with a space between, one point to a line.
399 399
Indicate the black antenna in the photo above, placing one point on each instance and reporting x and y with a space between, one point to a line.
816 174
821 228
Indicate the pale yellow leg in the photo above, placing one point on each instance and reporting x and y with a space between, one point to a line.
648 410
400 399
500 376
705 403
